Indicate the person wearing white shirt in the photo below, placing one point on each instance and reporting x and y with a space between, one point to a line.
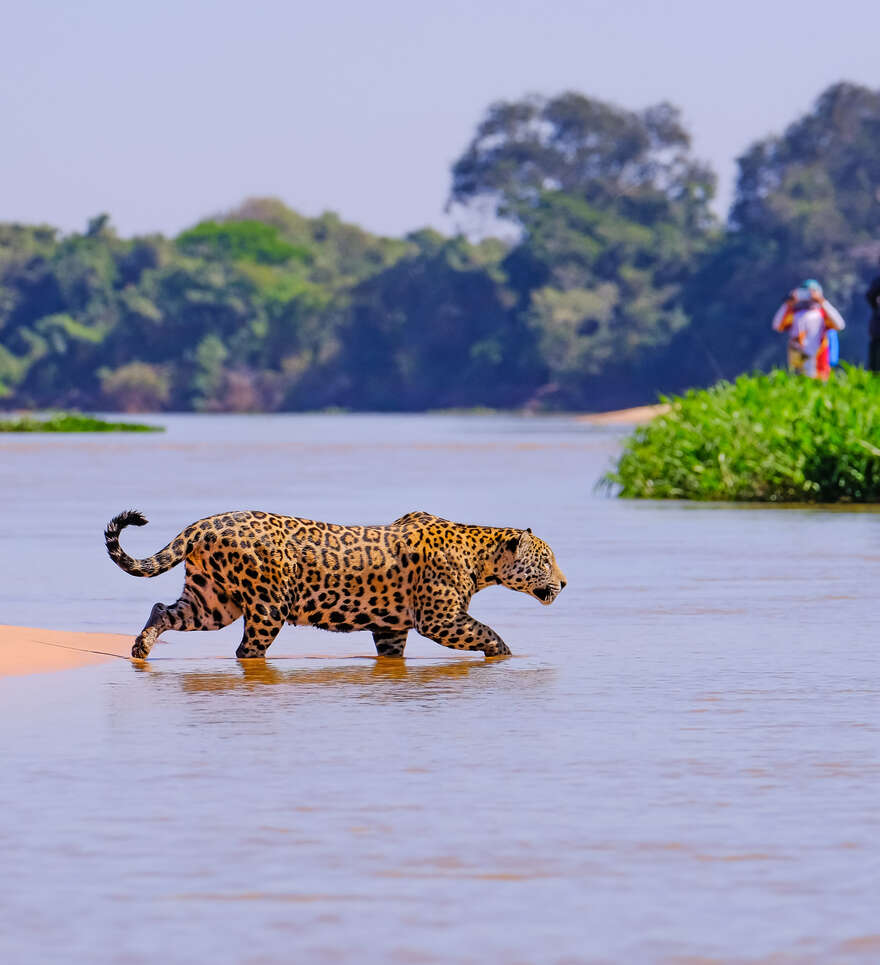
807 316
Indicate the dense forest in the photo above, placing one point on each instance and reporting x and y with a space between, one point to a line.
619 282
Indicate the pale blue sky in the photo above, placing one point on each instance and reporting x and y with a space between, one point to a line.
163 112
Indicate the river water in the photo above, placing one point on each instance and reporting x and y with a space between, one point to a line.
681 762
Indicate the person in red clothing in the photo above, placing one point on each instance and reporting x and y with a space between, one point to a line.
808 316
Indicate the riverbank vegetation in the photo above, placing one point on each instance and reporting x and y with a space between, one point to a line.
616 279
71 422
768 438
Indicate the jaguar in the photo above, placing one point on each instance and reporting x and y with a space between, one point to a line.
419 572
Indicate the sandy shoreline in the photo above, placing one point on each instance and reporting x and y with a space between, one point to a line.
25 650
636 416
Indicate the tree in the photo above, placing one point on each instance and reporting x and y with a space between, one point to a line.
817 183
584 148
136 387
432 331
613 213
241 240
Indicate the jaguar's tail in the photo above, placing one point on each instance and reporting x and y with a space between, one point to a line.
170 555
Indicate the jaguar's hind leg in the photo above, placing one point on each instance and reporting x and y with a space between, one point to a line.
193 611
390 643
155 624
261 625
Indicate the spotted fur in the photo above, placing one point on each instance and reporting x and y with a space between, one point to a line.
419 572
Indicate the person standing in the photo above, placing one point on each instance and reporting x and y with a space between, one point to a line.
873 297
808 316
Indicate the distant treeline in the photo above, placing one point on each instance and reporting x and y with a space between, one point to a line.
619 282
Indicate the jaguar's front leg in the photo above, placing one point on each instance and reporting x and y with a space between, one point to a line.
390 643
460 631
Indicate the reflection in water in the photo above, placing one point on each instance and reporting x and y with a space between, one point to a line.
257 673
380 679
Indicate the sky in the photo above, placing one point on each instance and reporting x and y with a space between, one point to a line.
165 112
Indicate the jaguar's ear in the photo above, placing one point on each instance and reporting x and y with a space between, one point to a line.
516 544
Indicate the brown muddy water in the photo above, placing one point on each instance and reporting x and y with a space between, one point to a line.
681 763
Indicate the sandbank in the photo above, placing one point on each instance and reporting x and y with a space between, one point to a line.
25 650
636 416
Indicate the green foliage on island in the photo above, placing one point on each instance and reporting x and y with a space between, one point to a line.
766 438
71 422
615 280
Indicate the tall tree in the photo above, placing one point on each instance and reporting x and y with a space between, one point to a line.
612 212
585 148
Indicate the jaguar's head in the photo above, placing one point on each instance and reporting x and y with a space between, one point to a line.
527 564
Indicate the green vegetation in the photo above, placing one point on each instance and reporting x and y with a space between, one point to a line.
615 282
241 240
767 438
71 422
